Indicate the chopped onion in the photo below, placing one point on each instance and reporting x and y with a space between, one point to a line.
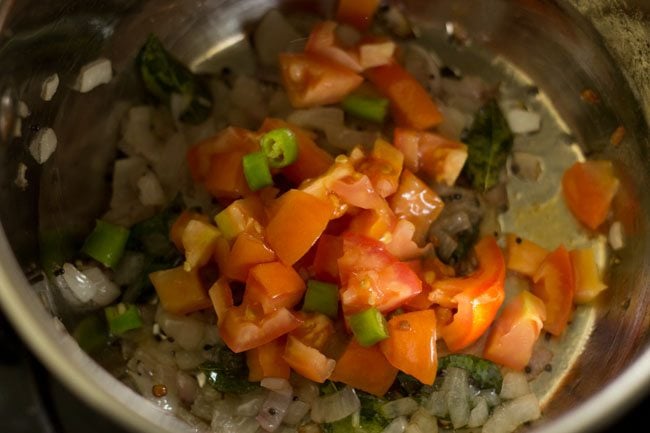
43 145
515 384
616 238
93 74
23 110
306 390
399 407
273 35
187 331
296 412
479 413
511 414
188 389
398 425
274 408
78 282
436 404
251 403
150 191
106 291
424 422
21 176
425 66
333 407
224 420
188 360
456 384
526 166
49 87
330 121
523 121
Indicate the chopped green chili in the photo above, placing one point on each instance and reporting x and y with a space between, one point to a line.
369 327
122 318
280 146
366 107
322 297
91 333
256 170
106 243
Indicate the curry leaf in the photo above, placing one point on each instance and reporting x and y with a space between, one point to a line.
164 76
489 141
485 374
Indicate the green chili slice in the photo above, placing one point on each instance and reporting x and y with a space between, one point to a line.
280 146
366 107
322 297
106 243
122 318
369 327
256 170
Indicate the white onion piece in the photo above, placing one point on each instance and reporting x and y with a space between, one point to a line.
306 390
479 413
137 131
523 121
274 409
79 283
330 121
515 384
23 110
333 407
277 384
398 425
423 421
188 389
178 104
424 65
93 74
49 87
21 174
511 414
150 191
526 166
251 404
273 35
436 404
246 94
456 385
186 331
296 412
615 237
223 421
399 407
43 145
188 360
106 290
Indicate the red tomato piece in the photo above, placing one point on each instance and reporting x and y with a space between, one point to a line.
589 188
411 105
273 285
267 361
315 331
383 167
247 251
307 361
372 277
523 256
358 13
364 368
588 282
225 177
411 346
555 285
221 296
245 327
322 41
514 333
477 297
328 251
312 80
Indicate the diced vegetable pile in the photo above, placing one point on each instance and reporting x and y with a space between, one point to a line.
329 288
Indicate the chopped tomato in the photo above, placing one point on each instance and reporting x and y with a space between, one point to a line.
315 331
312 80
358 13
297 223
312 160
383 167
477 297
267 361
221 296
244 215
417 203
323 41
364 368
245 327
247 251
411 105
402 244
523 256
225 177
177 229
589 188
372 277
429 270
411 346
307 361
328 250
514 333
373 224
555 285
179 291
199 156
199 241
358 191
438 157
274 285
588 282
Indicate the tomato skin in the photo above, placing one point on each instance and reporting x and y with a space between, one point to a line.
513 335
315 331
411 346
589 188
372 277
273 285
312 80
328 250
307 361
247 251
221 296
554 284
476 297
245 327
267 361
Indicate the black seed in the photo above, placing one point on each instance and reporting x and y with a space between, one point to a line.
528 369
273 411
518 240
548 367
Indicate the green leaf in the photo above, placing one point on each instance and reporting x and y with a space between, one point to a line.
489 142
229 373
485 374
163 75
